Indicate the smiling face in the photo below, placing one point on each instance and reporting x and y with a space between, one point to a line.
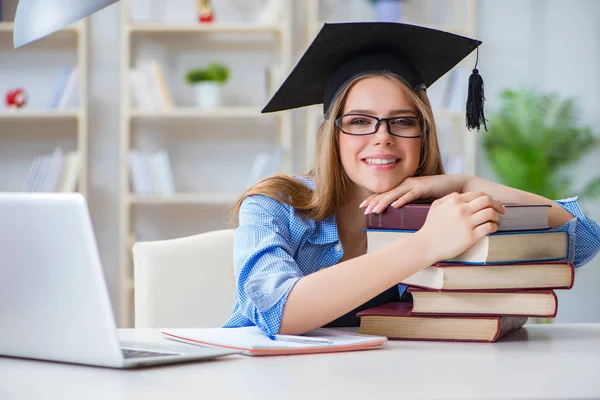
379 162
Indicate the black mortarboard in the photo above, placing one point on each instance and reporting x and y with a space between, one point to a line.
343 51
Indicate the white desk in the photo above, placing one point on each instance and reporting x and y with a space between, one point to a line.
539 361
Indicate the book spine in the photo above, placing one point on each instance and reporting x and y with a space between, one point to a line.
403 218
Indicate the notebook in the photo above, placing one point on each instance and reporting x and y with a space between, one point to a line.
251 341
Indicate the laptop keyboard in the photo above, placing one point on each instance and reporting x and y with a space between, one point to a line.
131 353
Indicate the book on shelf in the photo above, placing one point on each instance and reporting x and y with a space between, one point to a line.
151 173
412 216
527 303
513 276
64 93
396 322
149 91
498 247
56 172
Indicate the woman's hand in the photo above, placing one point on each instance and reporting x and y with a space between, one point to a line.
456 221
413 188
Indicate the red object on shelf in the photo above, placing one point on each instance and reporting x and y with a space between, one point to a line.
205 12
16 98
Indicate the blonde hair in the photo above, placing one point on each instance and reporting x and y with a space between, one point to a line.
331 182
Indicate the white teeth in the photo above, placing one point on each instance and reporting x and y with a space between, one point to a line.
381 161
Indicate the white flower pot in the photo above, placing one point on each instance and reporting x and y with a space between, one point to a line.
208 94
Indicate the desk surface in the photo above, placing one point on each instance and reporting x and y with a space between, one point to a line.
538 361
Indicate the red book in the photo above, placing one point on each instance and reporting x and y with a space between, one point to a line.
530 303
411 216
396 321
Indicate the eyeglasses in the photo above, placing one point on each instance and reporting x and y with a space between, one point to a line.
362 125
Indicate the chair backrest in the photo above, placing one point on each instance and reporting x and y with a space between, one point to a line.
184 282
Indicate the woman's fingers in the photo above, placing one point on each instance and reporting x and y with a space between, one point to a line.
484 229
367 201
382 201
486 215
482 201
388 198
406 198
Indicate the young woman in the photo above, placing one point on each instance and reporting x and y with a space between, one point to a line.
301 258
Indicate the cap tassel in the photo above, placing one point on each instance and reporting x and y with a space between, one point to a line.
475 100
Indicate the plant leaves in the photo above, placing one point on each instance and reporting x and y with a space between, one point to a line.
534 139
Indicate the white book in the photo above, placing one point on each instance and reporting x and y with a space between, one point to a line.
139 179
152 173
59 87
40 177
32 174
141 97
166 174
69 95
154 166
152 84
251 341
54 167
157 76
70 174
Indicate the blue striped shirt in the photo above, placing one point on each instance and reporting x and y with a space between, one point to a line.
276 245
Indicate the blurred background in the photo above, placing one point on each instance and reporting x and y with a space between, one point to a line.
151 108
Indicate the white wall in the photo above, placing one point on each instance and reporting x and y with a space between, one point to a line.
554 45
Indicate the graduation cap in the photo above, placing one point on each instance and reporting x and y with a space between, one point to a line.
343 51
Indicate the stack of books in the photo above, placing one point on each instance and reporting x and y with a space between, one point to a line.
482 294
55 172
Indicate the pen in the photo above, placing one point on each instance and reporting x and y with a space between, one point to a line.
300 339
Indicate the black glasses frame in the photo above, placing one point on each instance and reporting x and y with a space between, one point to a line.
338 124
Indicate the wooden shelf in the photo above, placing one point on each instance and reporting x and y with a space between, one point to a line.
185 198
191 112
8 26
203 28
39 114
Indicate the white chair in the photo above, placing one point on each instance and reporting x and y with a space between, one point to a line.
184 282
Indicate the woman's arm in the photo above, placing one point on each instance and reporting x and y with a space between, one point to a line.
557 215
436 186
453 224
275 295
323 296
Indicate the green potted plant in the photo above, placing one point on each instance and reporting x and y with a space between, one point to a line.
208 83
533 142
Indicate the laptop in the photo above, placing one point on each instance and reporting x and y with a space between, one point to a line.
54 303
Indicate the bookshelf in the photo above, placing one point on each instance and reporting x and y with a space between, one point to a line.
456 16
172 44
37 128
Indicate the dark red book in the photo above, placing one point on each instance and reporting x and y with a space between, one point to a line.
526 303
411 216
397 322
